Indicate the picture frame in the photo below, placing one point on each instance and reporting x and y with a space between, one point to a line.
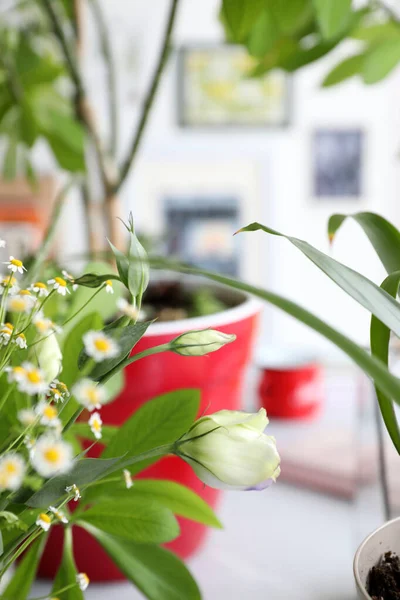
213 91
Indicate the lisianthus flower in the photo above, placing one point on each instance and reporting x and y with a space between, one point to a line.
229 450
33 380
48 414
83 581
52 456
128 479
130 310
73 489
21 303
89 394
10 282
95 424
58 391
27 416
99 346
20 341
40 289
44 521
12 471
59 514
15 265
109 286
60 285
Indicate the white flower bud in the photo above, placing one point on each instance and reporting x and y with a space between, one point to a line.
49 357
229 450
199 343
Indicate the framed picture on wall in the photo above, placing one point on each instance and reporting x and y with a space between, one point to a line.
215 90
337 156
199 231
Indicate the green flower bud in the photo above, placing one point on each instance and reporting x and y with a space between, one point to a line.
199 343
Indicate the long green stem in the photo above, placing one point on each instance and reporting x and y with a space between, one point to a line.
132 359
83 306
57 592
151 94
10 388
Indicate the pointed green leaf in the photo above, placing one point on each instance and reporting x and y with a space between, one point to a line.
67 572
381 59
25 573
137 519
333 16
157 573
241 16
347 68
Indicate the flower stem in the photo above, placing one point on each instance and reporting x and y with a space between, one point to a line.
132 359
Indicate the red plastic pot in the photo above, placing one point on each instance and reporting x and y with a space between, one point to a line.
220 380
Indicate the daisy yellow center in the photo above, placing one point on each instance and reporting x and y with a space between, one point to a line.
61 386
52 455
102 345
25 293
60 281
10 468
50 412
17 304
19 370
9 326
45 518
34 376
16 262
109 282
40 285
21 336
42 325
92 395
96 425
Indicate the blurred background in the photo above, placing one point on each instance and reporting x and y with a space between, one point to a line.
220 150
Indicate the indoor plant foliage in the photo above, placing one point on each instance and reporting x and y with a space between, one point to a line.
45 477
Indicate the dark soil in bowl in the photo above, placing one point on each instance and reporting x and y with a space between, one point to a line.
384 578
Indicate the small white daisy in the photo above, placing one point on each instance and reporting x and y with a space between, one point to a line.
27 416
73 489
21 303
59 514
20 341
48 414
40 289
99 346
15 265
60 285
10 282
109 286
43 521
130 310
83 581
58 391
89 394
3 243
44 325
15 374
5 333
95 424
33 380
52 456
128 479
30 442
12 471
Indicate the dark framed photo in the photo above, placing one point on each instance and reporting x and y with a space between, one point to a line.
338 163
199 231
215 90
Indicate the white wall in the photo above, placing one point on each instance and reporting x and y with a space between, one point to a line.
283 158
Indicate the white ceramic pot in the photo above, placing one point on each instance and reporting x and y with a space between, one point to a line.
368 554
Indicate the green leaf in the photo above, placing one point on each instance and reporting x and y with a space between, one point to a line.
348 68
25 573
84 471
10 159
160 421
387 382
292 16
65 136
67 159
333 16
181 500
138 270
127 337
376 31
137 519
384 236
156 572
73 344
83 430
67 572
365 292
381 59
380 338
263 35
92 280
122 264
240 16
